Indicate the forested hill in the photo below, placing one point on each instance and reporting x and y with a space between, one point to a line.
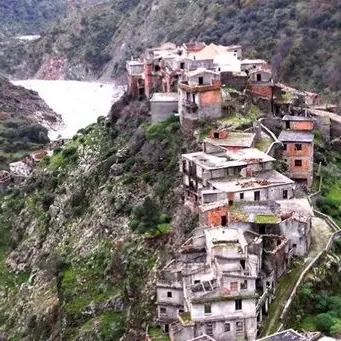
28 17
301 37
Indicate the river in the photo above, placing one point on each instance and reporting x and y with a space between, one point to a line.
79 103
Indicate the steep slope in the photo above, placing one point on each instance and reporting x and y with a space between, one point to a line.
301 37
21 114
71 266
29 17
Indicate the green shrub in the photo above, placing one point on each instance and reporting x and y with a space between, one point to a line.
325 322
165 218
128 164
47 200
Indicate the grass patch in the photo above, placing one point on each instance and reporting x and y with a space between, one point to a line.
266 219
283 290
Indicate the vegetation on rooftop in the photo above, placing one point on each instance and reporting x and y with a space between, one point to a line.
266 218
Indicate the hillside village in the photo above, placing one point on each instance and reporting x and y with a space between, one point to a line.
249 187
253 219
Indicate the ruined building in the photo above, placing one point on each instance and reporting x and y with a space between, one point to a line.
199 97
298 147
250 228
211 288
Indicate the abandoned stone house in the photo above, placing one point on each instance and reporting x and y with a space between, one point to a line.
159 69
211 288
298 147
199 97
241 175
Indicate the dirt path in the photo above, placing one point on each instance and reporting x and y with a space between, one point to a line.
320 234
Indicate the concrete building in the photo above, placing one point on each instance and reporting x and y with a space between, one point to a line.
298 147
217 269
260 75
163 105
229 140
241 175
199 97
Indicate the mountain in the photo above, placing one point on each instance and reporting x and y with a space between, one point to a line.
302 38
22 113
19 17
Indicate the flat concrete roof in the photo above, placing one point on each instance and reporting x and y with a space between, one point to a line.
296 136
299 209
297 118
257 181
226 159
134 62
285 335
234 139
212 205
164 97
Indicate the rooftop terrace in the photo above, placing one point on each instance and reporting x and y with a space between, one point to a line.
259 180
226 159
234 139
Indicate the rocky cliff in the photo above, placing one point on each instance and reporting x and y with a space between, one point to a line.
24 121
82 240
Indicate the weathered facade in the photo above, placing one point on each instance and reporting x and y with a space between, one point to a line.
298 147
199 97
219 268
163 105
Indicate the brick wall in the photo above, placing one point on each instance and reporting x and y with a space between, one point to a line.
262 90
301 125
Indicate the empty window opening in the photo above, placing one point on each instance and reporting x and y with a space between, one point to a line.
257 195
227 327
298 146
156 68
287 124
285 194
298 163
196 281
242 263
201 80
223 220
284 146
182 66
294 245
259 77
238 304
234 286
207 309
243 285
239 326
193 98
163 311
216 135
241 196
166 328
262 229
169 294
